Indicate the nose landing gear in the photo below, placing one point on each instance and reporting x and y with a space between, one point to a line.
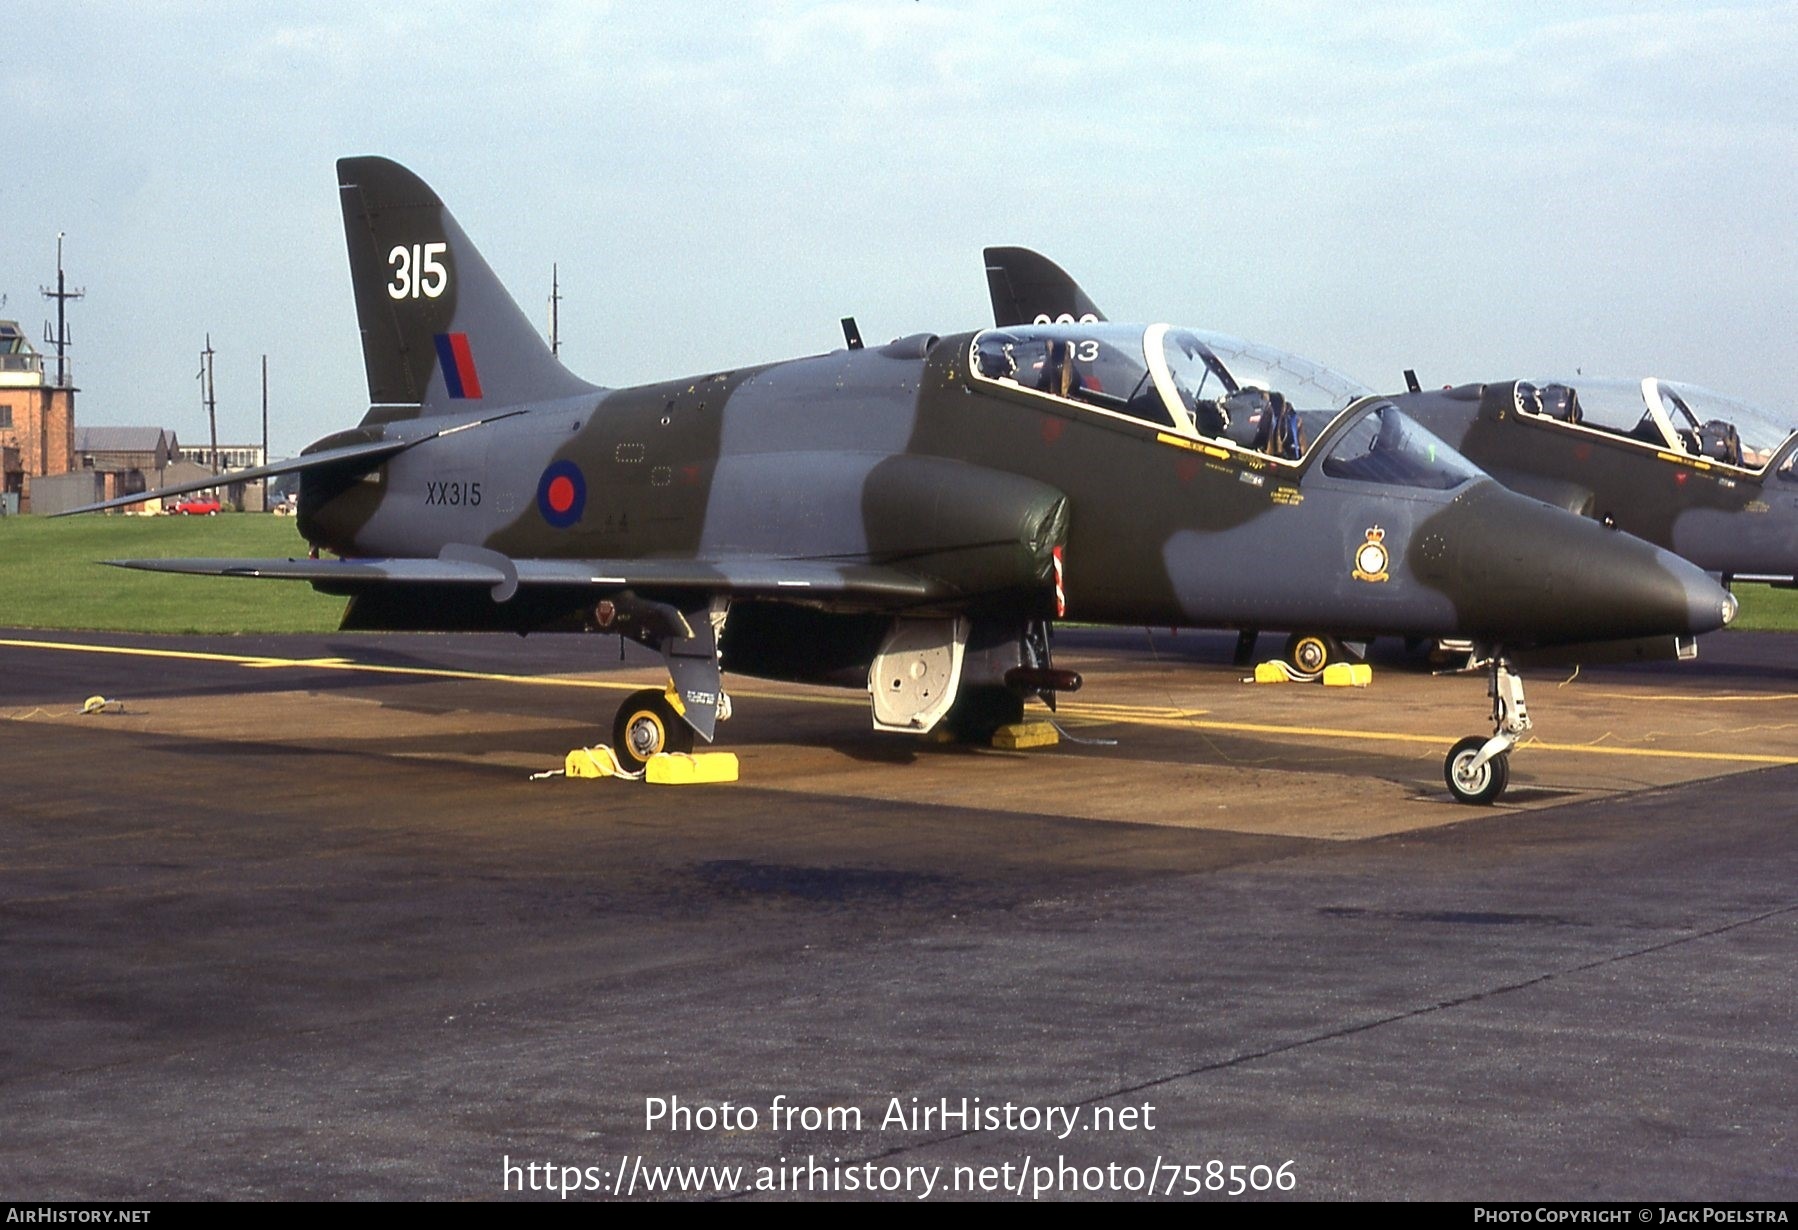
1479 767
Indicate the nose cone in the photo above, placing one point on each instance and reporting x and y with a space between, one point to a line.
1526 573
1711 606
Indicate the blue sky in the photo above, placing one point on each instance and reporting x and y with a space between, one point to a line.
1480 191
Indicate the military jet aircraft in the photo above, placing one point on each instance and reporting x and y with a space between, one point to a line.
908 518
1704 475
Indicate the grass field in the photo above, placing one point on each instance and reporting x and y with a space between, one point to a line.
51 577
1765 609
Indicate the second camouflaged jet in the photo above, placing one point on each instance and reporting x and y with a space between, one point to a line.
909 518
1704 475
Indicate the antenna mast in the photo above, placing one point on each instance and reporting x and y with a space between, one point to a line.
209 399
555 312
62 294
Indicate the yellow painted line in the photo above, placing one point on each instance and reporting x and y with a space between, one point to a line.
330 664
1166 718
1680 459
1097 709
1387 736
1668 753
257 662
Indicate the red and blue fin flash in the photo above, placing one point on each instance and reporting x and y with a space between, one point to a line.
457 363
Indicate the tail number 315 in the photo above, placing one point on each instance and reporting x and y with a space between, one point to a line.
418 271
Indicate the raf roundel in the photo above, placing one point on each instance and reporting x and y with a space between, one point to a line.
562 494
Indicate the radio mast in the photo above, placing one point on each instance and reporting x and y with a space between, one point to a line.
62 294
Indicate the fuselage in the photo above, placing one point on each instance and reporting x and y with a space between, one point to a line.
901 454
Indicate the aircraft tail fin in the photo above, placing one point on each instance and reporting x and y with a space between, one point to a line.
1029 288
439 332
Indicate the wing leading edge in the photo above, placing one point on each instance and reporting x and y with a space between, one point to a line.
476 567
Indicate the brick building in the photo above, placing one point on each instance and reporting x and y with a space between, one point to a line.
37 417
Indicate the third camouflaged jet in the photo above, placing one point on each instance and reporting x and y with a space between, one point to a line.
908 518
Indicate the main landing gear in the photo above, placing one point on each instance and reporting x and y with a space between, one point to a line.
646 725
1309 652
653 720
1479 766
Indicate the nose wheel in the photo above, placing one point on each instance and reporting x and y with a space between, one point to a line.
1472 780
1478 768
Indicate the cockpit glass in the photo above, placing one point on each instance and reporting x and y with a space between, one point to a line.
1307 385
1385 446
1707 415
1253 395
1615 406
1203 386
1102 365
1680 418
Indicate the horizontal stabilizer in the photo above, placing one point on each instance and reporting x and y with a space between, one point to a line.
358 458
368 455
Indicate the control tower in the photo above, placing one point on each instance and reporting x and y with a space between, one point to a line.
37 417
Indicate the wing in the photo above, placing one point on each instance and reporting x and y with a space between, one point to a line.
471 566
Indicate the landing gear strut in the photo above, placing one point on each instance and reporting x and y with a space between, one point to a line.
653 721
1479 766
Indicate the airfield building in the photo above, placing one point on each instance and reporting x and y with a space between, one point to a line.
37 418
245 497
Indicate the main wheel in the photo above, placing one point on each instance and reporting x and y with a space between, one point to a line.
1481 785
1310 652
647 724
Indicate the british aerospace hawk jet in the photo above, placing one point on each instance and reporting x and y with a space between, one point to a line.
910 518
1703 475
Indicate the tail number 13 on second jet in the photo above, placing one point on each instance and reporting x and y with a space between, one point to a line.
417 271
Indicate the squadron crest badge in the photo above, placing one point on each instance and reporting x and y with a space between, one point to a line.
1370 557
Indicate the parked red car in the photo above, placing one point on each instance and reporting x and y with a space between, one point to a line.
197 507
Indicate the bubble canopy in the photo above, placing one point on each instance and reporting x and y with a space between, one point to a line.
1212 387
1665 414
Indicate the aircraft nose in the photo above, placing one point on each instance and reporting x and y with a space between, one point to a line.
1678 594
1712 607
1621 586
1531 572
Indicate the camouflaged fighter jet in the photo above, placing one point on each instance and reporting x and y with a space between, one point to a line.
909 518
1704 475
